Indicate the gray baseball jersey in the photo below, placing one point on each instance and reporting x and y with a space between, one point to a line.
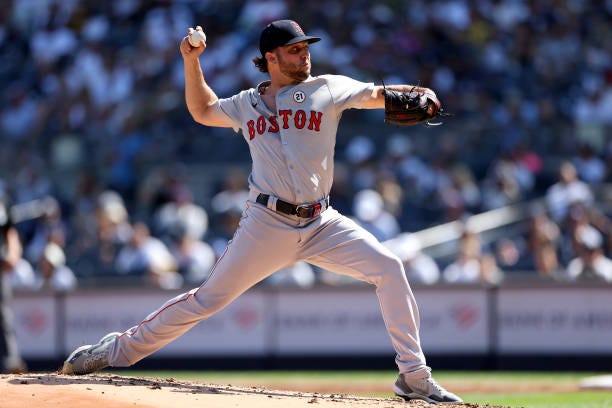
292 151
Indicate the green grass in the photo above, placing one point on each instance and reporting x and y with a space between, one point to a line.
533 399
581 399
498 387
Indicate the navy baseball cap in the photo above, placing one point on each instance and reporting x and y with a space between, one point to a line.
282 32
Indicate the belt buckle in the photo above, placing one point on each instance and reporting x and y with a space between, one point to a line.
308 211
303 211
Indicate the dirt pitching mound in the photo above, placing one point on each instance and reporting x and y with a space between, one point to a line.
50 390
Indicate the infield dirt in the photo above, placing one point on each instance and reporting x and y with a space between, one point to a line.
50 390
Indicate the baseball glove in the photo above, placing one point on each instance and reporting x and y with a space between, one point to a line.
412 108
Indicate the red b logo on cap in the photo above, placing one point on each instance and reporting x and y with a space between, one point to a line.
297 28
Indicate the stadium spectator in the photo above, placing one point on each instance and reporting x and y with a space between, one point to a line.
568 190
49 228
300 274
369 211
52 272
22 276
462 197
472 264
233 194
181 214
82 221
589 166
181 225
501 187
543 241
194 257
113 230
420 268
148 258
590 263
223 227
361 154
414 174
21 113
508 254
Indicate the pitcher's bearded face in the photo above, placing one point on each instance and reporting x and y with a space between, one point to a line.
294 61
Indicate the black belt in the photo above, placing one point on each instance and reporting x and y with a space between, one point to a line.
302 210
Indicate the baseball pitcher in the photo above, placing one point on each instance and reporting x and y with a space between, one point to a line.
289 123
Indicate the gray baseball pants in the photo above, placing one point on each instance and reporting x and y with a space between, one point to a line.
267 241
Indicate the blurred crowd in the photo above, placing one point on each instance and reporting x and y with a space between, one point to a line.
93 116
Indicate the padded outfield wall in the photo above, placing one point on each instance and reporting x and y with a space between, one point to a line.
521 326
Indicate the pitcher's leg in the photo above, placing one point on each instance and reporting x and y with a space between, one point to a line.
355 252
256 251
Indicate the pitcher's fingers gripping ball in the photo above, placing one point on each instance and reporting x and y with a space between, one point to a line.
412 108
196 37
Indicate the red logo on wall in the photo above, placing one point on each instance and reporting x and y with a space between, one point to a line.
245 318
465 316
34 321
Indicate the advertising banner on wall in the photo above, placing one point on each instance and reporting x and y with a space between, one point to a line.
454 321
555 320
36 325
339 321
349 322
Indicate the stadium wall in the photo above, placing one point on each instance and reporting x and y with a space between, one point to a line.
525 326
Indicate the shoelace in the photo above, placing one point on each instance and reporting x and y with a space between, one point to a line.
437 386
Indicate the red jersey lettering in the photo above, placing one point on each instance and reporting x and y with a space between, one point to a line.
299 119
285 114
261 125
251 126
273 125
315 120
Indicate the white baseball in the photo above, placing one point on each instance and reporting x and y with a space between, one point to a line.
197 38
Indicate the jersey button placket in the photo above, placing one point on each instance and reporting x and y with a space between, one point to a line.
282 100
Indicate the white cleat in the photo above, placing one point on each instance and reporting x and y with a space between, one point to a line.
426 389
89 358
